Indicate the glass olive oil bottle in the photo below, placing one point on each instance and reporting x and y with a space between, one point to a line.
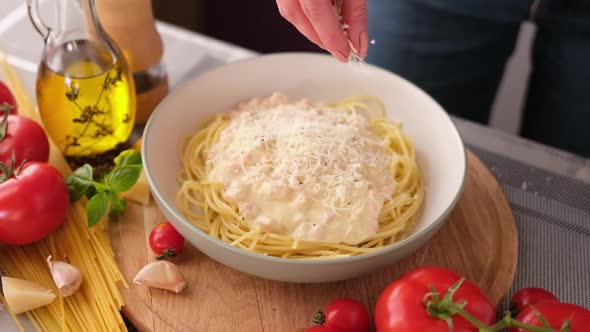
85 91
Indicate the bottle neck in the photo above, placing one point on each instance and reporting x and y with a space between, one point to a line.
76 20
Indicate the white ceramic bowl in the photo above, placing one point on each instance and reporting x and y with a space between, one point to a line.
439 147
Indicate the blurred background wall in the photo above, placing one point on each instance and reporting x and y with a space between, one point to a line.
237 22
243 25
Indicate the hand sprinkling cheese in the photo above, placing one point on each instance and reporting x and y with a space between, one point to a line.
354 53
338 26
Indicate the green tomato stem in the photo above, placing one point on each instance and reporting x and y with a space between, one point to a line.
506 322
9 171
446 308
469 317
501 324
514 323
319 318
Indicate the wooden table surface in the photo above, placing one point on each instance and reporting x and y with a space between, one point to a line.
479 240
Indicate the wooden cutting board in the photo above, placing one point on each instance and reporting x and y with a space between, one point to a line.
479 241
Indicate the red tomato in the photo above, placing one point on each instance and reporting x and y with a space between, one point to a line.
34 204
7 99
555 314
346 315
321 328
530 296
400 307
26 138
165 240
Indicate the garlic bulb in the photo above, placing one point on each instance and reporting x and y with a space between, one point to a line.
163 275
67 277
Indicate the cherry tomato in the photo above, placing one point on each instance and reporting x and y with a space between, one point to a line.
34 204
555 314
530 296
400 307
6 99
25 138
165 240
321 328
346 315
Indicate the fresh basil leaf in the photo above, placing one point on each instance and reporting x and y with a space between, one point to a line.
118 205
128 157
100 187
123 178
97 207
79 182
90 192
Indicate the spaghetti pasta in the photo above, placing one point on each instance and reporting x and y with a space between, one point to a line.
203 203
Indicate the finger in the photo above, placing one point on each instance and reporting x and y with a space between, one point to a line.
354 13
323 19
292 12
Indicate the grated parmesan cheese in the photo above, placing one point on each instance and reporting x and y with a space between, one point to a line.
306 171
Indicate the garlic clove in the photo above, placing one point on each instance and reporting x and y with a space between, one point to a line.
24 295
67 277
163 275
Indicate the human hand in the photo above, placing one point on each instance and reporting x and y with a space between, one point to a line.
317 20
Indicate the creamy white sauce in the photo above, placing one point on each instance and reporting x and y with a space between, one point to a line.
305 171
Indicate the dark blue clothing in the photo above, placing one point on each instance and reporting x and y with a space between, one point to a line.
456 50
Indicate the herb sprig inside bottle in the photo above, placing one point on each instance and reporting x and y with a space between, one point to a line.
89 114
104 194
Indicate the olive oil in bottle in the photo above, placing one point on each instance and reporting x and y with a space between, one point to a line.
86 99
